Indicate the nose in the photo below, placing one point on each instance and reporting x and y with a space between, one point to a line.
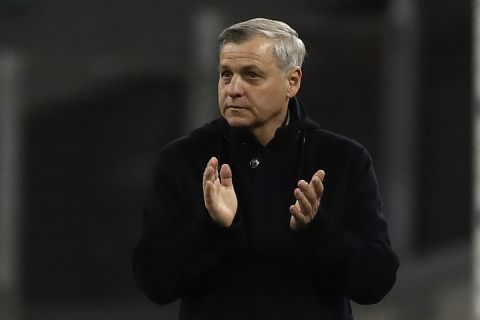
235 87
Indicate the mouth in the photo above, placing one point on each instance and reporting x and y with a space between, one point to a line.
236 108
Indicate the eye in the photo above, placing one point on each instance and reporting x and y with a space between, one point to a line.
225 74
252 75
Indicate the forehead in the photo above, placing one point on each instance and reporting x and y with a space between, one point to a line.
257 50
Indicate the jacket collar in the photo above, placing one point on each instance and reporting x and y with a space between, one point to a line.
299 121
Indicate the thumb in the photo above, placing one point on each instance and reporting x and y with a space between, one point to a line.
226 176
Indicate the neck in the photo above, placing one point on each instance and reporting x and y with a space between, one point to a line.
265 133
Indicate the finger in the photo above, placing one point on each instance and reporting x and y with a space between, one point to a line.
303 203
214 163
317 182
209 195
317 186
320 174
308 191
226 176
215 167
300 219
208 174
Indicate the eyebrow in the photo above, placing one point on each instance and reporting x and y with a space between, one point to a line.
249 67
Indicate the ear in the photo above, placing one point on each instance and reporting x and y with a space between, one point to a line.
294 78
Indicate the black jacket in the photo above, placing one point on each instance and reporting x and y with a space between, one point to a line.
259 268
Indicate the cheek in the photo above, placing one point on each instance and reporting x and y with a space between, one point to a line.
220 103
220 93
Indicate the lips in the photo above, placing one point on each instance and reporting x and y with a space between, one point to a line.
236 108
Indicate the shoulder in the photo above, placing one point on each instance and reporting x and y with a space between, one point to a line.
319 137
192 151
335 142
344 158
204 138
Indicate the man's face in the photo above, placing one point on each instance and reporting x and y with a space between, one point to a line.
252 90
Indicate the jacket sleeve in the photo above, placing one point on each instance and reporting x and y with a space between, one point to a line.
355 250
177 246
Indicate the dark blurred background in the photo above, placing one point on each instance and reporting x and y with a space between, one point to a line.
91 90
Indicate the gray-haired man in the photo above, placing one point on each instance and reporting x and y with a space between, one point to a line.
286 222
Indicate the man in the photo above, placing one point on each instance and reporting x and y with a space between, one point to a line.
286 221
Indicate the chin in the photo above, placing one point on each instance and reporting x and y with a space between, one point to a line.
238 122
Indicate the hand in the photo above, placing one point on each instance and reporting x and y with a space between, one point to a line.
308 197
218 193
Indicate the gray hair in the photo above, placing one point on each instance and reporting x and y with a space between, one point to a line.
288 49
